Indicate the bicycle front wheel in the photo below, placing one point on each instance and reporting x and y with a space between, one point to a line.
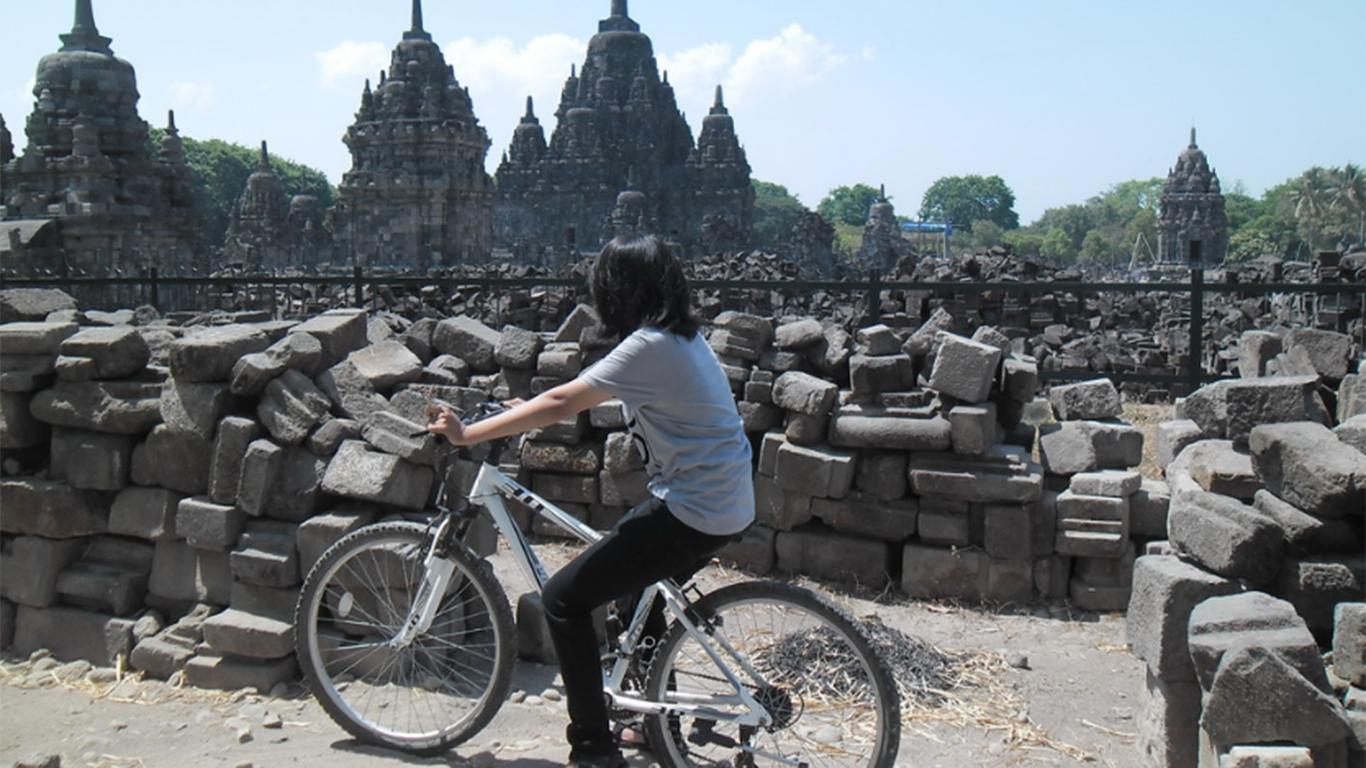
832 702
423 697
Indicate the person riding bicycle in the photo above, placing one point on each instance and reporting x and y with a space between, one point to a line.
682 417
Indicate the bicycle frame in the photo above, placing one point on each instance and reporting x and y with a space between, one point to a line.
491 488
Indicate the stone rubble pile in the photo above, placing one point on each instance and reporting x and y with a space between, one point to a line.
920 473
1263 567
173 507
166 486
1128 332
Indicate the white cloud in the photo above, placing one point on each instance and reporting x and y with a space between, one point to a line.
191 94
499 66
869 52
793 59
350 61
694 73
24 96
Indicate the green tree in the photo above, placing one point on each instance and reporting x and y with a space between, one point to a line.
776 212
986 234
220 172
1264 227
1025 241
1348 185
848 205
1254 241
1241 209
1310 196
1074 221
966 199
1057 245
1097 249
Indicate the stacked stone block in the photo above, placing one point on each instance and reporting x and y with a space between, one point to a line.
1104 509
1265 571
883 458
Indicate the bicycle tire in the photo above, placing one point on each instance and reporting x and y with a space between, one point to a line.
801 732
362 588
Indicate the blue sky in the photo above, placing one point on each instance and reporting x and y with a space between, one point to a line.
1062 98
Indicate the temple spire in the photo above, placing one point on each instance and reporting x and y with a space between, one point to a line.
1192 136
620 20
530 110
264 162
417 32
718 106
84 34
85 19
170 121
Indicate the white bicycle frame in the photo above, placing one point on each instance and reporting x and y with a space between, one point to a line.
490 489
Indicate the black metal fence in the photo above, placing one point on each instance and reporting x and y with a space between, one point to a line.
1194 375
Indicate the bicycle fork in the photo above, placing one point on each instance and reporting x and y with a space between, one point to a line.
438 570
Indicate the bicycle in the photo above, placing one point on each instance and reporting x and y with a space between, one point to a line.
407 641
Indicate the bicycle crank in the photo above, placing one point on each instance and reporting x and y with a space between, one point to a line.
703 733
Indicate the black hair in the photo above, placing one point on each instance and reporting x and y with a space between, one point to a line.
638 282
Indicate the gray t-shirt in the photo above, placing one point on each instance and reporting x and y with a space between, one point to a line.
681 413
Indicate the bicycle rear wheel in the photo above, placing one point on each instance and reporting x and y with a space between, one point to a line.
832 701
423 698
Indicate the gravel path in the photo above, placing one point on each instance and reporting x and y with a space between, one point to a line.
1077 690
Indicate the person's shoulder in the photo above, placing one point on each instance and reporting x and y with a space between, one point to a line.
649 336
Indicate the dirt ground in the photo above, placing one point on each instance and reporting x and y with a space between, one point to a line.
1054 688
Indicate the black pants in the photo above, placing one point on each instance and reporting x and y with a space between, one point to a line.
648 545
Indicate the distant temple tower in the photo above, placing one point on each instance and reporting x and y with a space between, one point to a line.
417 195
721 190
88 172
1192 226
268 231
256 235
618 117
883 244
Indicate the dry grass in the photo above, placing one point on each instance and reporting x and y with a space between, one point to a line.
1147 418
978 693
979 697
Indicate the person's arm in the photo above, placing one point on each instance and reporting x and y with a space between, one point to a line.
548 408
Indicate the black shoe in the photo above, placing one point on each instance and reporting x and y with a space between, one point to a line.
612 759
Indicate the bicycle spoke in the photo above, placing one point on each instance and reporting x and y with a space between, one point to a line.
438 688
820 715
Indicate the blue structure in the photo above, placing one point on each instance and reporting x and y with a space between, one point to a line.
929 226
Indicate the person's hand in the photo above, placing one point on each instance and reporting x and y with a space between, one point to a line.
441 420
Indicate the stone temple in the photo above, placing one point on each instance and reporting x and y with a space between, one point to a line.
417 195
269 231
1192 226
88 195
622 157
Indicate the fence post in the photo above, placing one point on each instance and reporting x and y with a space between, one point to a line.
1195 366
874 295
358 280
153 289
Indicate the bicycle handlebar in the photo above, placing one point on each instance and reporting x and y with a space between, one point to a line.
479 412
